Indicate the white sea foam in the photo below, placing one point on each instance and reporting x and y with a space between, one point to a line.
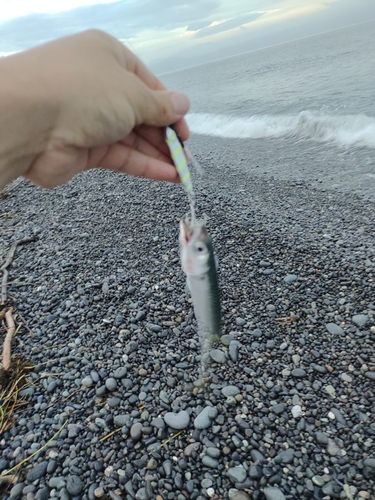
349 130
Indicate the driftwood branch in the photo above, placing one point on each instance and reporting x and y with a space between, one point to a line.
7 263
7 350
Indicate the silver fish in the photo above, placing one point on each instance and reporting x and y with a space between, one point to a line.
198 263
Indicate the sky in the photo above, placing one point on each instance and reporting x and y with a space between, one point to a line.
172 34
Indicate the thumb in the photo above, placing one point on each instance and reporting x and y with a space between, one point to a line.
160 107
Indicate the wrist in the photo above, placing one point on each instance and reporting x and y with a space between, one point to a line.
27 115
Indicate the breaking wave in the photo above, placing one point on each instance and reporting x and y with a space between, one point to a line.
349 130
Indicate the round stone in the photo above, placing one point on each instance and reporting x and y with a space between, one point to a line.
230 390
273 493
218 356
136 431
178 420
291 278
74 485
237 474
87 381
111 384
298 373
203 420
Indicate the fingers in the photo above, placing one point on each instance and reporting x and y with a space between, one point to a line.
154 107
143 145
122 158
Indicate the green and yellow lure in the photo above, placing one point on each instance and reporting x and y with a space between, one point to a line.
176 147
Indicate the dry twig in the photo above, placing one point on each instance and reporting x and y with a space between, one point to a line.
32 335
5 266
7 349
109 435
16 467
287 319
12 381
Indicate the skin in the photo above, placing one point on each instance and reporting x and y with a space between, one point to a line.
81 102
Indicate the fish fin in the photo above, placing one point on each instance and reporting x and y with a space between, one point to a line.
217 262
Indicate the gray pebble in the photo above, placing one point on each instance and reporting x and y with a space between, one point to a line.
121 372
142 494
237 474
213 452
111 384
279 408
140 316
299 373
256 472
87 381
131 347
74 485
273 493
136 431
321 437
52 386
178 420
285 456
218 356
203 420
113 402
291 278
360 319
369 468
37 472
210 462
334 329
226 339
332 448
240 322
16 490
57 482
121 420
230 390
233 350
43 494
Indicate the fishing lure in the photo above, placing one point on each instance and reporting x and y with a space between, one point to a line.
176 147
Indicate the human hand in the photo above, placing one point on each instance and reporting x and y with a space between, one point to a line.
102 108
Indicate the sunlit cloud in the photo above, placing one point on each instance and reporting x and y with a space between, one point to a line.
10 9
179 32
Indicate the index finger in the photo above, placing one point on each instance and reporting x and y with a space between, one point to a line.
136 66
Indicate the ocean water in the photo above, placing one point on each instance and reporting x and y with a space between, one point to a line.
317 90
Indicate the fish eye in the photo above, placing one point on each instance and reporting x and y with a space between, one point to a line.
200 247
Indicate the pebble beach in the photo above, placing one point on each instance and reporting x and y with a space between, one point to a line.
288 410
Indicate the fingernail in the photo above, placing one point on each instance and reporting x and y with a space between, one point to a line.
180 102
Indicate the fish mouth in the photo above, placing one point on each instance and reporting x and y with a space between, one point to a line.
186 232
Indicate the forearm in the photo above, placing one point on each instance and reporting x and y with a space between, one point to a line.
26 115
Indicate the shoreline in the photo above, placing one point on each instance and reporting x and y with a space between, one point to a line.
110 314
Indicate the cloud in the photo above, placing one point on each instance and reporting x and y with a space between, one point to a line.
11 9
124 18
170 34
236 22
198 25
